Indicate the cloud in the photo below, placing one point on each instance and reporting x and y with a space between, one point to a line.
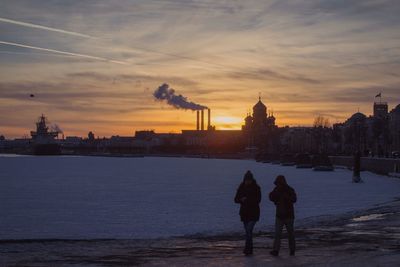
36 26
126 78
366 94
306 55
267 74
72 97
63 52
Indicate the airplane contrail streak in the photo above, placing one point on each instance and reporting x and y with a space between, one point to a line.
64 52
37 26
35 54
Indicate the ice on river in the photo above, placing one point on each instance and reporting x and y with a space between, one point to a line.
105 197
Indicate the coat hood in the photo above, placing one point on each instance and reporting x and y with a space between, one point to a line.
280 181
249 176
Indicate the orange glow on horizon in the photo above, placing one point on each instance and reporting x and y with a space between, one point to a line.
227 123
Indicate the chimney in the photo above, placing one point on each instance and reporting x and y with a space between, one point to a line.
198 120
209 119
202 119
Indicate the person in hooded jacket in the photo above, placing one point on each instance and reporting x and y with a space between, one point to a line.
283 197
248 195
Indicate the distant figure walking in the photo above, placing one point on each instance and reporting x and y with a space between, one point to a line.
248 195
283 196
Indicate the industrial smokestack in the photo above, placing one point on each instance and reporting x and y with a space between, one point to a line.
202 119
198 120
209 119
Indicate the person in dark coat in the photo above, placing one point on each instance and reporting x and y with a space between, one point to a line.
283 197
248 195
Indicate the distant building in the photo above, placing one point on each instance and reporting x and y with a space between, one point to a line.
151 141
298 140
259 127
394 128
356 134
380 109
72 141
18 145
214 141
376 135
91 136
121 141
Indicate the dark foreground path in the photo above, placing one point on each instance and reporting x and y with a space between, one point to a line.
365 238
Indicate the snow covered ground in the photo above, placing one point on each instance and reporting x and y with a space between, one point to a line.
140 198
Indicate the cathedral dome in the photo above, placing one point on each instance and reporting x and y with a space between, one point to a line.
358 116
248 118
259 107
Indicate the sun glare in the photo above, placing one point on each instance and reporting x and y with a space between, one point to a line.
227 122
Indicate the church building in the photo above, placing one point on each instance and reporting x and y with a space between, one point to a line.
259 127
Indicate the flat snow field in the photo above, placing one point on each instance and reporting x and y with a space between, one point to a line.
104 197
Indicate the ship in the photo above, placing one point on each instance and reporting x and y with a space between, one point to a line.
44 140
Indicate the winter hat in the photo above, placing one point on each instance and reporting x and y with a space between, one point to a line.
248 176
280 180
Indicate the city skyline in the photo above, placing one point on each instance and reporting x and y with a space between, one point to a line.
94 65
201 121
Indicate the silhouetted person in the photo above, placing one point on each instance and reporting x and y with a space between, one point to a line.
248 195
283 196
356 167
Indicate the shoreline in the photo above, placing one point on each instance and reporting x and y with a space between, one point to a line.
122 155
373 235
381 166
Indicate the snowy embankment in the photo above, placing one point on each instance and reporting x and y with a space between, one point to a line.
95 197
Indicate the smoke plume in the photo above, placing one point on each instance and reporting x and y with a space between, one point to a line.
164 92
55 128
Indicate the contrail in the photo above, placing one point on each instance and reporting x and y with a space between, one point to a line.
37 26
64 52
31 53
31 25
219 66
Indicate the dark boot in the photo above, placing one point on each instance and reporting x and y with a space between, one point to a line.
248 251
274 253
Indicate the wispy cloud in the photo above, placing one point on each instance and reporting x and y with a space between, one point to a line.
36 26
305 57
267 74
64 52
129 78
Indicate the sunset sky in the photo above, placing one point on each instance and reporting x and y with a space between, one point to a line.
93 65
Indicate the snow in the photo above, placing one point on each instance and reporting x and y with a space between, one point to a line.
105 197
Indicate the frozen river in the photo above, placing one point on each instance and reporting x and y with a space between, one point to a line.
104 197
